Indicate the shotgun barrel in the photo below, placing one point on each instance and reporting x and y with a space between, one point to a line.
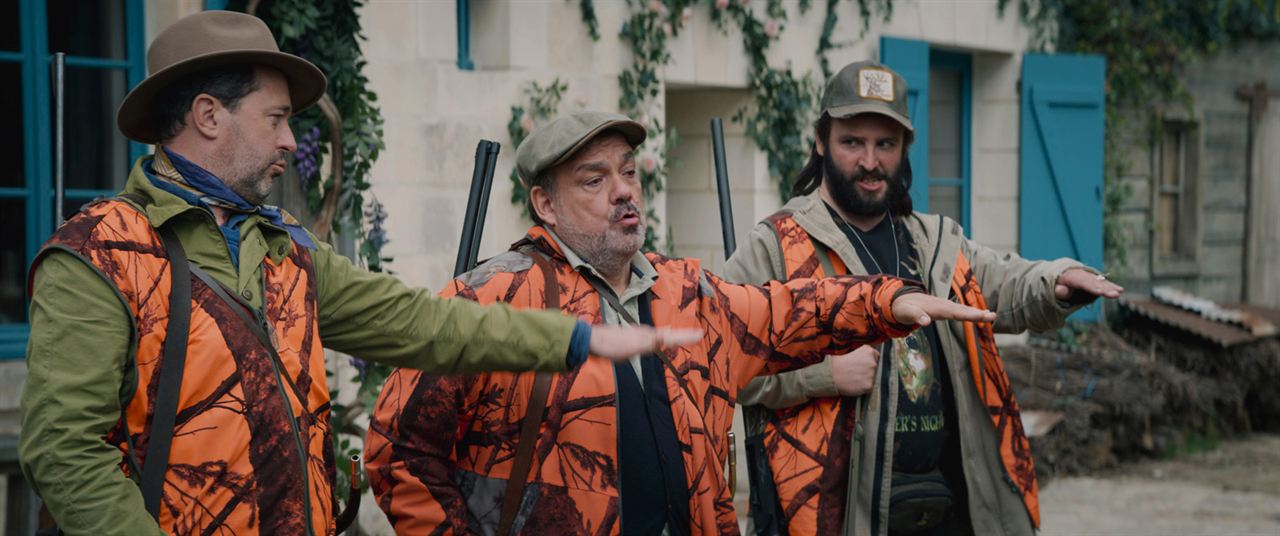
722 188
477 205
486 188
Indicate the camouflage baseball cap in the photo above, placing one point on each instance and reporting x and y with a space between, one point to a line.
867 87
557 141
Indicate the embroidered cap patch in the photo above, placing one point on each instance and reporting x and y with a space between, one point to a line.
875 84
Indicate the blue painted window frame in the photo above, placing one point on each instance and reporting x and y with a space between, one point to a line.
464 36
963 64
37 190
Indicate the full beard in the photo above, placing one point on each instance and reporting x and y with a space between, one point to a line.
609 252
845 193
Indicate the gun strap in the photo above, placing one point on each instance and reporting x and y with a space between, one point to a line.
172 364
529 427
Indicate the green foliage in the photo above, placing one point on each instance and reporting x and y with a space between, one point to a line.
541 104
1147 44
588 9
646 32
784 109
784 105
328 34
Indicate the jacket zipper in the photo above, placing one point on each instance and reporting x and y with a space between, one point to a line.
276 365
261 317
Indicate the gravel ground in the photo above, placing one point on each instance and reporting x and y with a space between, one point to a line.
1234 489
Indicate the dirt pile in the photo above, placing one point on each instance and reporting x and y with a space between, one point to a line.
1140 392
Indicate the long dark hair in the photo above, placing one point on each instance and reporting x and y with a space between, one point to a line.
810 177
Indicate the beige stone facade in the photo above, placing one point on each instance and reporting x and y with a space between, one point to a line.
435 112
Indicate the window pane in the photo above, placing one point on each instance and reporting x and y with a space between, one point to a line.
1167 224
945 200
11 140
944 124
1171 158
9 36
13 261
82 28
96 153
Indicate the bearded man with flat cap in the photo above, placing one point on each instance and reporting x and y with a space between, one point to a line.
920 435
609 448
176 376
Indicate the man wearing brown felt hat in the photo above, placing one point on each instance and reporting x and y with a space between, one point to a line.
176 373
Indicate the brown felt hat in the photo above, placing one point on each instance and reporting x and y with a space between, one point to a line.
212 39
557 141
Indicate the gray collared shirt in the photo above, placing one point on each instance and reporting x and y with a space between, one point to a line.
643 276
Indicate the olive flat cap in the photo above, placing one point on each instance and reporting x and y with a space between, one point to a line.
557 141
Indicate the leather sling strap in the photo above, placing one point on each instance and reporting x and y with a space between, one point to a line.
824 258
172 363
529 427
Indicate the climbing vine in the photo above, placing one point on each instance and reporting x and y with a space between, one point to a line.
1147 44
541 104
646 31
783 102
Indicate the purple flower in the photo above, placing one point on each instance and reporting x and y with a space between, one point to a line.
362 366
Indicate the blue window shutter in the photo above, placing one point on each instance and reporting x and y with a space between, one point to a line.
1063 117
910 58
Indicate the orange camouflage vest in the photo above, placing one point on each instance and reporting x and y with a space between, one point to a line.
440 448
808 445
252 451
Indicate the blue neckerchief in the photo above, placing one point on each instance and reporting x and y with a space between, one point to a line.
230 230
208 184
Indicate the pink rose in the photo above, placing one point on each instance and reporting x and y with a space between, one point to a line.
526 123
721 4
771 29
658 7
686 14
666 28
648 163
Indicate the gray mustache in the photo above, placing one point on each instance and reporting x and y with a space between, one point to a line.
623 210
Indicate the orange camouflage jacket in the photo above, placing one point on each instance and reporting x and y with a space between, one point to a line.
439 449
809 445
252 450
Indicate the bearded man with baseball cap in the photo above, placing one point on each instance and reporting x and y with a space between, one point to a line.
176 372
921 435
630 448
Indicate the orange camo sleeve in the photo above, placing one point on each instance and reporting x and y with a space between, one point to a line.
408 453
409 447
782 326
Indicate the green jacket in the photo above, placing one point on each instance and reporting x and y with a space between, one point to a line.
80 362
1021 292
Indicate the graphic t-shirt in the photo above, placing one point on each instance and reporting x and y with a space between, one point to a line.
924 387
